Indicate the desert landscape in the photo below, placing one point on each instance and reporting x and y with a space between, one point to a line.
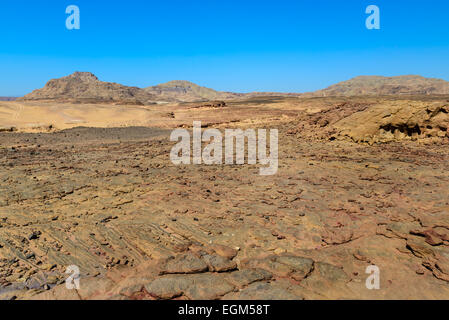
86 180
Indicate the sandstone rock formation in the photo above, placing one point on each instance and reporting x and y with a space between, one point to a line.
111 202
397 121
379 120
357 185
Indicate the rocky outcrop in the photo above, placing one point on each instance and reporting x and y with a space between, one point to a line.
374 120
396 122
211 104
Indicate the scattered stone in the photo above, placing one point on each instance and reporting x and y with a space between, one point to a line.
34 235
184 263
224 251
242 278
218 263
263 291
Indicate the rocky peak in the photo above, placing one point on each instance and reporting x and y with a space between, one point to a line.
83 76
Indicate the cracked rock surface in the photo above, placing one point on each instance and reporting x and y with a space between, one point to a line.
138 227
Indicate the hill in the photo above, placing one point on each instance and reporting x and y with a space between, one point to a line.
378 85
84 87
180 90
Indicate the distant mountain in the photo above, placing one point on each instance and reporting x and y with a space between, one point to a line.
378 85
84 87
180 90
7 98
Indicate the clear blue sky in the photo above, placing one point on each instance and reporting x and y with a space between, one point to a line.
242 46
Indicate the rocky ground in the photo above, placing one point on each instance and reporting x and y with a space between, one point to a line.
111 202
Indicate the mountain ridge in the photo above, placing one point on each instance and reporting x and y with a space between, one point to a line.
85 87
381 85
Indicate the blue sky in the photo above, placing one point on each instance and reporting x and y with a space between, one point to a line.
242 46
